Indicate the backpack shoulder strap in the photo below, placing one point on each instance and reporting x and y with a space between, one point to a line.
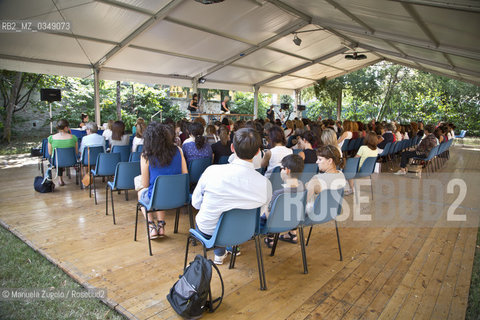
219 299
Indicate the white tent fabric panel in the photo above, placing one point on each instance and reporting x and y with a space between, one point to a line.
317 71
239 75
143 77
41 67
149 5
270 60
244 19
192 42
467 63
319 8
276 90
226 86
288 82
157 63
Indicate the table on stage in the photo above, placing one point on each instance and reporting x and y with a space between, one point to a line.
219 116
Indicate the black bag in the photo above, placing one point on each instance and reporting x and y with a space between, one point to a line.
191 296
44 184
35 152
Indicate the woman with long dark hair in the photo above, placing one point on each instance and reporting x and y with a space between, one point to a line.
196 147
160 156
119 138
223 147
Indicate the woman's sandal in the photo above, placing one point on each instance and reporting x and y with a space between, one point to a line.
292 238
152 228
161 228
269 242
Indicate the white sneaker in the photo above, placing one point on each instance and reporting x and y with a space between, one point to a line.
400 172
348 192
219 259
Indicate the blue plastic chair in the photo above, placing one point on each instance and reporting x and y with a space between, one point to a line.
125 172
66 158
327 206
294 206
309 170
124 152
105 167
276 179
358 144
197 167
461 135
94 152
135 157
45 155
139 148
351 168
366 170
234 227
223 160
261 171
169 192
344 148
428 160
297 151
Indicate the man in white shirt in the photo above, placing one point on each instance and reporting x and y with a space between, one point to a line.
231 186
92 139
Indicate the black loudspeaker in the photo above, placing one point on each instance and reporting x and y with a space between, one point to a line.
301 107
50 95
285 106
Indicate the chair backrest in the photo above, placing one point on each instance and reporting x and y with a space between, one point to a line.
260 170
297 151
94 152
392 147
64 157
106 164
352 144
309 170
351 168
432 154
125 172
327 206
139 148
197 167
170 192
358 143
276 178
223 160
397 147
287 211
385 150
345 145
235 227
124 152
45 154
135 157
367 168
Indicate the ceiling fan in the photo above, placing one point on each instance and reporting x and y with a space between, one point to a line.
356 55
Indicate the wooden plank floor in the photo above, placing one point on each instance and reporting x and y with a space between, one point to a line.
408 262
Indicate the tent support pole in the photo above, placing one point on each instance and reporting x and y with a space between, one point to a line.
96 89
255 102
298 100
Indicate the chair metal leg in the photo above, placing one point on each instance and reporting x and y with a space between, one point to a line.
338 240
113 209
371 185
233 258
95 191
192 223
136 223
90 185
261 269
106 200
301 237
148 235
126 195
177 217
204 251
308 238
186 253
275 242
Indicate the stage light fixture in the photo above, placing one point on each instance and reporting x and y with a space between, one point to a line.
297 40
201 80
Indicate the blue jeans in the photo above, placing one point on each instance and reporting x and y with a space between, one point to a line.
219 251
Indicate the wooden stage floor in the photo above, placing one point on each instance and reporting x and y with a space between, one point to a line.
406 263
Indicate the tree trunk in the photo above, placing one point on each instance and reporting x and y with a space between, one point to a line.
339 105
119 103
7 129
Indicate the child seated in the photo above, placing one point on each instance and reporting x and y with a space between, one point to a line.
291 169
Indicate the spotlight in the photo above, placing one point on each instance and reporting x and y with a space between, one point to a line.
297 40
201 80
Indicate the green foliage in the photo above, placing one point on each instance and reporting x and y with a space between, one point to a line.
243 103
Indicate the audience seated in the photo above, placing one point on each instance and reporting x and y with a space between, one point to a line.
196 146
232 186
159 157
138 139
422 150
119 138
274 156
305 143
369 149
222 148
292 168
329 178
92 139
62 139
107 133
289 129
329 138
82 124
347 133
387 136
211 134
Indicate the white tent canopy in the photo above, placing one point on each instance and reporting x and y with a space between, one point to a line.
242 44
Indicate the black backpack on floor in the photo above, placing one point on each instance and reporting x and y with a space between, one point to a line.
44 184
191 296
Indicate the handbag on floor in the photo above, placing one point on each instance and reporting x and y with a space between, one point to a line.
44 184
86 178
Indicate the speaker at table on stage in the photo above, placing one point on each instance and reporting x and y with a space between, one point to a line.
50 95
301 107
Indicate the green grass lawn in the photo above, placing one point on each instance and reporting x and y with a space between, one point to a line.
21 267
